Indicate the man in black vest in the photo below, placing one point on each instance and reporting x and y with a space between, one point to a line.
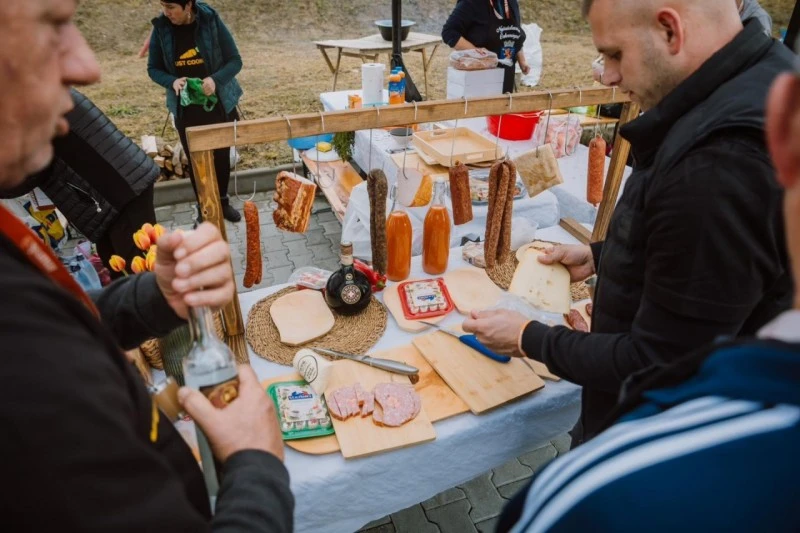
696 247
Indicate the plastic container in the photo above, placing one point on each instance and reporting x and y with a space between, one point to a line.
302 413
425 298
307 143
515 126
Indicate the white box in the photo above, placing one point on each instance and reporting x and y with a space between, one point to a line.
473 83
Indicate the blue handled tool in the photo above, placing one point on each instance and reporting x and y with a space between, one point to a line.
472 342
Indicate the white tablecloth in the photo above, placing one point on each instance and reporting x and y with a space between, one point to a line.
338 495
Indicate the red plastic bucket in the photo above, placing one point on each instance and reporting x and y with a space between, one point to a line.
514 126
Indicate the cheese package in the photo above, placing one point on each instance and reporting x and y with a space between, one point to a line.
546 287
539 170
472 253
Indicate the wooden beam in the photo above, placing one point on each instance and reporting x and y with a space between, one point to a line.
259 131
619 157
576 229
211 211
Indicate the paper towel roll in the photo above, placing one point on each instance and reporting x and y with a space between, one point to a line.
372 75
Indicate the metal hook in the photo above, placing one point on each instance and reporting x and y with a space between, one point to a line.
289 126
235 173
320 173
466 103
580 94
415 111
369 154
453 145
614 93
547 124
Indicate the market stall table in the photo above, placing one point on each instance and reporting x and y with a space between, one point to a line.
338 495
370 48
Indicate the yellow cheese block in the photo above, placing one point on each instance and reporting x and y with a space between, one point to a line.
545 287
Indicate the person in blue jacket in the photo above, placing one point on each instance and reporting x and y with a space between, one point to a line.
709 443
189 40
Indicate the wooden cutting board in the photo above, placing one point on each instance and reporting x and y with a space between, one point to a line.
391 299
471 289
482 383
360 437
438 399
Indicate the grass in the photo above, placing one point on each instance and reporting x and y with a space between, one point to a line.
283 71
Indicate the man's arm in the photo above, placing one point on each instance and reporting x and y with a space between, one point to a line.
156 68
135 310
711 254
457 23
72 444
232 61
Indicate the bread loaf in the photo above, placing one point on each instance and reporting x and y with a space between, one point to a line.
295 198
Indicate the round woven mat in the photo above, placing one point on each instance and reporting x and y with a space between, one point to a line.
351 334
502 274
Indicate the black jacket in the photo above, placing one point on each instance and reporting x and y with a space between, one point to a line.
96 171
76 450
696 246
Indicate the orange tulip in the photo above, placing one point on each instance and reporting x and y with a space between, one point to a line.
139 265
150 230
159 230
151 258
141 240
117 264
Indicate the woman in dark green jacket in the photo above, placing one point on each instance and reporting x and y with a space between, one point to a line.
189 40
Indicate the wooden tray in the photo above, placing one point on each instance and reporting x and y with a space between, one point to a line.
469 146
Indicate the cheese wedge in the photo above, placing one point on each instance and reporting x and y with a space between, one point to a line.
301 317
545 287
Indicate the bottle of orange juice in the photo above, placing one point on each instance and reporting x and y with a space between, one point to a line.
436 233
399 235
397 91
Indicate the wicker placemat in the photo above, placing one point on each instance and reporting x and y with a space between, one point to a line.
502 274
352 334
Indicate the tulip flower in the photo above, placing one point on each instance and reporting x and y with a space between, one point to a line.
139 265
141 240
117 264
150 230
159 230
151 258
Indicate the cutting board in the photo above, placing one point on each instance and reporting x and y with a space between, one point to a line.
360 437
471 289
438 399
391 299
482 383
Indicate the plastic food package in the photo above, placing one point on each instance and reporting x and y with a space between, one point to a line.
310 278
302 413
515 303
426 298
563 134
475 59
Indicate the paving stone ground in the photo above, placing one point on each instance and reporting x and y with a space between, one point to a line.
474 506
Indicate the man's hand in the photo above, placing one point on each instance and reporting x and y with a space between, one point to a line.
576 257
209 86
499 330
193 269
523 63
248 423
178 84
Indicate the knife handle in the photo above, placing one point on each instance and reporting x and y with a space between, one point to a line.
391 366
473 342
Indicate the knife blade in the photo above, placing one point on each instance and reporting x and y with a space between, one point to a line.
376 362
471 341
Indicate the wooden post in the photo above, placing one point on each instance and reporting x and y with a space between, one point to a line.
619 157
576 229
211 211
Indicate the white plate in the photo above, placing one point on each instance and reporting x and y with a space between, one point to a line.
324 157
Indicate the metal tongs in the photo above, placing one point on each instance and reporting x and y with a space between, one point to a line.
375 362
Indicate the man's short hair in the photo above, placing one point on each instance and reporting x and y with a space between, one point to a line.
586 7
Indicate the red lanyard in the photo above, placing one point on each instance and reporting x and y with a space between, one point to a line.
41 256
497 13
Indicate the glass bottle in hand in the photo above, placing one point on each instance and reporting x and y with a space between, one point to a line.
210 367
348 290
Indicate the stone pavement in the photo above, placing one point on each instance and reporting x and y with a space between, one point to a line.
472 507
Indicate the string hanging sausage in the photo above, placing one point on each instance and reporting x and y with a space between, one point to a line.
252 275
378 189
460 194
597 170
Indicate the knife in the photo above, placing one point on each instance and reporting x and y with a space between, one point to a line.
471 341
375 362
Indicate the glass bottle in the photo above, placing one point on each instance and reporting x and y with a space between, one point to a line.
399 235
210 367
436 233
348 290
